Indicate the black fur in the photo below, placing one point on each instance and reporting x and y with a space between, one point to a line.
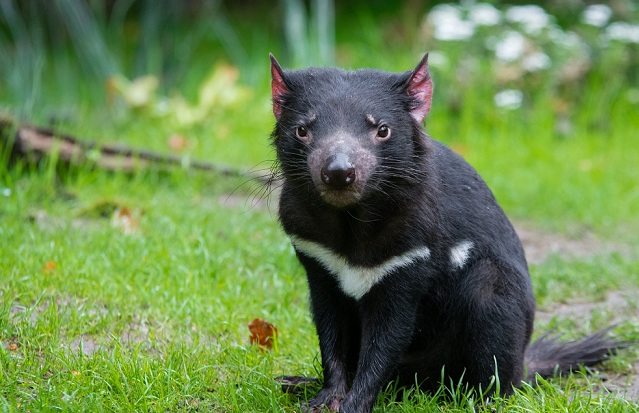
410 191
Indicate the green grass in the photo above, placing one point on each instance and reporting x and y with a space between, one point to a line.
165 309
93 318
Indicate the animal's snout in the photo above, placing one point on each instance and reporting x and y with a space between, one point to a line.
338 171
340 168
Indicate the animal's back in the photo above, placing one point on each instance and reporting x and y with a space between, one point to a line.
473 211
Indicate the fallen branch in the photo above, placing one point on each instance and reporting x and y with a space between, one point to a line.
32 144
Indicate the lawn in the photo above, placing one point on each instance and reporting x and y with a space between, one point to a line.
133 291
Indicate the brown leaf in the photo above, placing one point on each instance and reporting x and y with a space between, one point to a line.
126 219
13 347
263 333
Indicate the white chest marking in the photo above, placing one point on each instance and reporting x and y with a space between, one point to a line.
459 254
354 280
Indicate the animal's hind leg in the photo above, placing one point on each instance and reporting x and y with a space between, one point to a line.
499 307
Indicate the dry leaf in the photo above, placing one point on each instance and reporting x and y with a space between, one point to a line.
126 219
263 333
76 373
13 347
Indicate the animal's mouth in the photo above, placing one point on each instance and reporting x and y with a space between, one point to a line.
340 198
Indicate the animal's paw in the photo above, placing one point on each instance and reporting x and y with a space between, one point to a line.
327 400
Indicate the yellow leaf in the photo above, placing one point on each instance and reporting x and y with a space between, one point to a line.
137 93
220 88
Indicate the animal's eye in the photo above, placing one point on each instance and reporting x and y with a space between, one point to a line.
301 131
383 132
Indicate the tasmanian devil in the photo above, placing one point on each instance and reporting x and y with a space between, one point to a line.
414 271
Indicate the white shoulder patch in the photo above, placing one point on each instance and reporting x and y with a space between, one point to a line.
354 280
459 254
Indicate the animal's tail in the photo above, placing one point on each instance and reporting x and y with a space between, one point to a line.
548 356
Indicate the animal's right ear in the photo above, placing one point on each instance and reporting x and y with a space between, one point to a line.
420 87
279 89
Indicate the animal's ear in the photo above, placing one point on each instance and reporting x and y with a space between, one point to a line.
279 88
420 87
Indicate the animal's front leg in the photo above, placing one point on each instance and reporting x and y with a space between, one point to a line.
335 318
388 315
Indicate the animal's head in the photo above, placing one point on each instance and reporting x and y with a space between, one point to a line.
353 134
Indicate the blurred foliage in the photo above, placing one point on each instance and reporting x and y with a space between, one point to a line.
219 89
61 60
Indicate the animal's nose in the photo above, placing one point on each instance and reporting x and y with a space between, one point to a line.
338 171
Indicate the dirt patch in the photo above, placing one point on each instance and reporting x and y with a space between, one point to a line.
85 344
616 308
625 385
539 245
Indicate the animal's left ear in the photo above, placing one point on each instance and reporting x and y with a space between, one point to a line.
420 87
279 89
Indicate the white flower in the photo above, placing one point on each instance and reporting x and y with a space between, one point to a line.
536 61
532 18
449 24
484 14
511 47
509 99
459 30
624 32
444 12
569 40
596 15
